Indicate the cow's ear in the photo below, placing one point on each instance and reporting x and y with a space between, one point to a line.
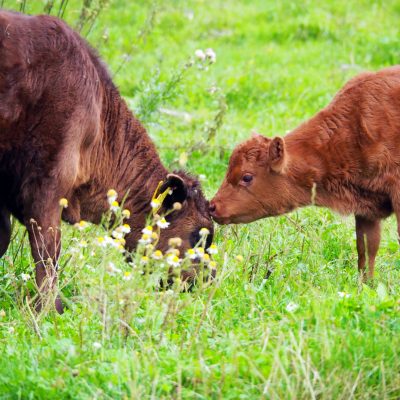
277 154
178 190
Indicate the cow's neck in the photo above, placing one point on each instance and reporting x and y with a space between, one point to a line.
124 160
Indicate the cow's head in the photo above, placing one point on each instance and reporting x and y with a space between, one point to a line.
186 213
191 215
256 184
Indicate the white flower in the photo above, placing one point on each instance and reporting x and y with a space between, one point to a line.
25 277
173 260
204 232
212 249
81 225
148 230
117 234
114 206
127 276
112 269
157 255
125 228
144 260
155 204
344 295
206 258
162 223
83 243
145 239
96 345
210 54
191 254
200 252
199 54
292 307
111 196
105 241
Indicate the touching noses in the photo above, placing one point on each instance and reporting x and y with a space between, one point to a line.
212 208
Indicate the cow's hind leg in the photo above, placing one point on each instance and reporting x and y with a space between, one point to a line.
368 234
43 224
5 230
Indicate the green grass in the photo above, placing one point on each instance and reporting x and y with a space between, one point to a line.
277 64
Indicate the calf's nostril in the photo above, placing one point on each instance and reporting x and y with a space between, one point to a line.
212 208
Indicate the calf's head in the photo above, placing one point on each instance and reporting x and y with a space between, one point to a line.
256 184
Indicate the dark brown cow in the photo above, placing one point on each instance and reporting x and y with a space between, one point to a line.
65 132
347 158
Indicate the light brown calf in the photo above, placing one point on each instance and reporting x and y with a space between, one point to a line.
346 157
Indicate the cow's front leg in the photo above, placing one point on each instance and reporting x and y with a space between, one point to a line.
45 239
368 234
5 230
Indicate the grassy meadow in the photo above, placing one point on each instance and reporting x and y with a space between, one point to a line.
286 317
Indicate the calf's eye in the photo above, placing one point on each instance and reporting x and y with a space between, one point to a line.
247 178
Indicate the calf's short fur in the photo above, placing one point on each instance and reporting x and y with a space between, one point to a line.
66 132
346 157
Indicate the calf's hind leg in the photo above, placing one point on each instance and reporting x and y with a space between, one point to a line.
368 234
5 230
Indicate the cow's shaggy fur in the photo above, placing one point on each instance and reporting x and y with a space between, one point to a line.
65 132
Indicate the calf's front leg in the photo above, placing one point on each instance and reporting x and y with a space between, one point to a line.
368 234
45 240
5 230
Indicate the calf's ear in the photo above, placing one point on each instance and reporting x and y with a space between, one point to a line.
178 190
277 154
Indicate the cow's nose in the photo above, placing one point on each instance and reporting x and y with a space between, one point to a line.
212 208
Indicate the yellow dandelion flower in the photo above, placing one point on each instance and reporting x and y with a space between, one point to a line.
204 232
111 193
206 258
177 206
63 202
175 242
126 213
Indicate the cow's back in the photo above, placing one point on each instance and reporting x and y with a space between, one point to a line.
50 101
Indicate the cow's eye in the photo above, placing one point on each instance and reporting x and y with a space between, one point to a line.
247 178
